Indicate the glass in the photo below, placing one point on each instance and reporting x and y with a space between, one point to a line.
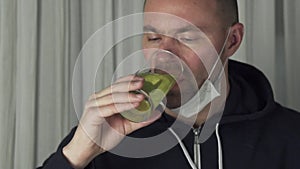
160 74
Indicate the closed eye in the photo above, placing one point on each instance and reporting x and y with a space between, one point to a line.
187 39
152 37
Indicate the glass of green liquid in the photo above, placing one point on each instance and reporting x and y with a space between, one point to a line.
160 74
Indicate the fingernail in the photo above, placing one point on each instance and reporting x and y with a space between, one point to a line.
140 96
139 78
135 104
136 82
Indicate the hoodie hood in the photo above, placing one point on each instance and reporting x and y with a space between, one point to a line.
250 95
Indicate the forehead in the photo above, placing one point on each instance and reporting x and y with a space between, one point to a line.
201 13
163 22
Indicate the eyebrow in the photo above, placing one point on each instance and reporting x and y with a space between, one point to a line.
187 29
149 28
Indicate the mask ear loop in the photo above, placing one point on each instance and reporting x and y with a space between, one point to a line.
218 59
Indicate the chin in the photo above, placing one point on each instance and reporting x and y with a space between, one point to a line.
174 98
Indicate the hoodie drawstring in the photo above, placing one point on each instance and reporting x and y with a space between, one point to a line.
220 156
198 160
186 153
197 147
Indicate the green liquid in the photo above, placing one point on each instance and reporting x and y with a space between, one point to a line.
156 86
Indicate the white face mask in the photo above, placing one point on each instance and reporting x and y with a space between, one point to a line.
207 92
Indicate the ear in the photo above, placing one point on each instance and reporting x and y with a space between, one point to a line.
234 40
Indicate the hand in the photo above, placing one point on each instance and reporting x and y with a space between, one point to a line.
101 127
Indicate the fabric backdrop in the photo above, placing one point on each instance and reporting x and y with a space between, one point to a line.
41 40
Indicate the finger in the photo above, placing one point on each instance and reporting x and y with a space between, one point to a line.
112 109
120 87
115 98
129 78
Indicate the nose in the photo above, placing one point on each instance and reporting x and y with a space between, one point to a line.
169 44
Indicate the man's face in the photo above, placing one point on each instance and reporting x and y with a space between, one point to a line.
191 29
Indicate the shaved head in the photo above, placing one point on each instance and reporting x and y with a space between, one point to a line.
227 10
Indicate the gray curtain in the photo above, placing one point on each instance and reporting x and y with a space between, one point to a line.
41 40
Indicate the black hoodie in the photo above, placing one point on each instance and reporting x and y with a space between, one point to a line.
255 132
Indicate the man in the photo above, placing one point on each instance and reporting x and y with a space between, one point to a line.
255 132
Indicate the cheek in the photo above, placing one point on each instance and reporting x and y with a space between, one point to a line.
146 44
148 49
206 57
196 66
147 53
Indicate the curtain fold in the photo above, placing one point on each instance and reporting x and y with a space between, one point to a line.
40 42
258 47
8 38
26 84
291 26
57 32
